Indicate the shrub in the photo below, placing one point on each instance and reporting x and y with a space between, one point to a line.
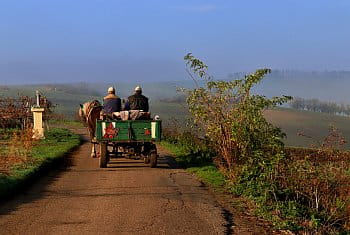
232 120
309 193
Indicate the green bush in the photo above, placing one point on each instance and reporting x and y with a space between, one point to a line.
296 194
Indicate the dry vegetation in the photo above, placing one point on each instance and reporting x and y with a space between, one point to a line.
16 148
317 179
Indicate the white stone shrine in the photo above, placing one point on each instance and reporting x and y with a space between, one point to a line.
38 128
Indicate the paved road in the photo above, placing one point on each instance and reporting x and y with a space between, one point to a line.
125 198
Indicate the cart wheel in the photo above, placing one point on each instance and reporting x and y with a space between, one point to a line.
153 159
146 160
103 155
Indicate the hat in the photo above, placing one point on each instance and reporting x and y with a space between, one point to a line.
111 90
138 88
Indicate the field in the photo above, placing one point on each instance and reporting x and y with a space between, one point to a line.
68 97
315 125
292 122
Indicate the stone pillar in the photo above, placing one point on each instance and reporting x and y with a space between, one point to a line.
38 128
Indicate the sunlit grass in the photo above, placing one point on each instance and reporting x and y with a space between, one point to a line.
45 153
205 171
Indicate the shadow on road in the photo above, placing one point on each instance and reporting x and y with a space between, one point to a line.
34 188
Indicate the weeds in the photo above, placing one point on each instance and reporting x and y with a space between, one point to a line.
17 148
318 180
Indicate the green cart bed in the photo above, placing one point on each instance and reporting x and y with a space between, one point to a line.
134 137
130 130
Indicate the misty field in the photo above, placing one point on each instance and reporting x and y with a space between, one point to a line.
294 123
315 126
161 95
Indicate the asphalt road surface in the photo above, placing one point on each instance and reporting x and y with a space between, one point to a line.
125 198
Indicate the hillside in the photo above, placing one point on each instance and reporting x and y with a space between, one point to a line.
315 125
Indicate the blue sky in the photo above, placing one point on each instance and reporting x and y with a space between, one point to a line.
44 41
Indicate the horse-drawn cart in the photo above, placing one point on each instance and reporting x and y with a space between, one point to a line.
128 138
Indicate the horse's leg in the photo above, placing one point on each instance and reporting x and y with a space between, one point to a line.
95 153
93 150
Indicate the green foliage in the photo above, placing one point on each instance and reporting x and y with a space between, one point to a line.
195 150
6 133
231 118
189 149
209 174
306 193
57 142
203 168
65 122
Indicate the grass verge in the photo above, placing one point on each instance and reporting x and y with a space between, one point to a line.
206 171
65 122
44 155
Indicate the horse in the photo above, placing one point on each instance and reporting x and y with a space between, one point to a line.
89 112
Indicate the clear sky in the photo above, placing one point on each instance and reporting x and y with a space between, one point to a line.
145 40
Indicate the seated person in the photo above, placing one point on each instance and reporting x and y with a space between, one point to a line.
137 101
111 102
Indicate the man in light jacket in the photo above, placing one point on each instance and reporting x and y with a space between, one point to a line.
111 102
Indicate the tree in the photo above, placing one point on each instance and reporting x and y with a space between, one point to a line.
232 118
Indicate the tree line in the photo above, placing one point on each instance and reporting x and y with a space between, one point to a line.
317 105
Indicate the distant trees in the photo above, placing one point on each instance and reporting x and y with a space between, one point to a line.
316 105
81 88
179 99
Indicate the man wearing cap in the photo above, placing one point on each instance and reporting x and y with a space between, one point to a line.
137 101
111 102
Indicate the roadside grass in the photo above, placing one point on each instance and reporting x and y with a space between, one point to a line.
206 171
210 175
66 123
43 155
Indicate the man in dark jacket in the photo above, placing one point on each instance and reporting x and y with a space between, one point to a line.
137 101
111 102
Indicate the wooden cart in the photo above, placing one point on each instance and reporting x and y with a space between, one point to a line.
130 138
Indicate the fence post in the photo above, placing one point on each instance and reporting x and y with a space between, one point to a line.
38 128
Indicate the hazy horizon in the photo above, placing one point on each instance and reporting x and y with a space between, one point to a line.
234 75
326 86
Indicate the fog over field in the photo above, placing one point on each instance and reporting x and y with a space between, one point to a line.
168 103
326 86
